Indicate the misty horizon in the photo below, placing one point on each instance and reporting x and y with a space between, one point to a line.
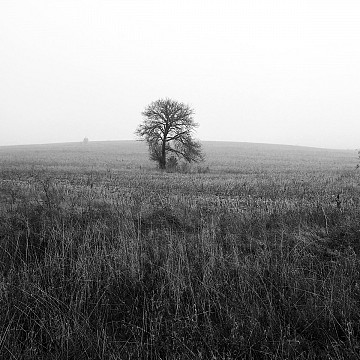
220 142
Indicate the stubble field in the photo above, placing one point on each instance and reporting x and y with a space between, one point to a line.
253 254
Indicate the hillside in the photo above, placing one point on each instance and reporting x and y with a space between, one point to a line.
252 255
220 156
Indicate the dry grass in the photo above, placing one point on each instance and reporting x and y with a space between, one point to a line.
103 257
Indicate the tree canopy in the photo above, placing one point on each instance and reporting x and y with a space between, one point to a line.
167 127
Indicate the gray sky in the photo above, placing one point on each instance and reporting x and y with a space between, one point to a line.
268 71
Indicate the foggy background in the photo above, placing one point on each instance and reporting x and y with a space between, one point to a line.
285 72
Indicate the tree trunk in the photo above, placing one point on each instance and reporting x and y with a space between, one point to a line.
162 162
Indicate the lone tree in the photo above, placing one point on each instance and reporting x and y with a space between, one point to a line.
167 128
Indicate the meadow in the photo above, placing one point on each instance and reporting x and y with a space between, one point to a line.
253 254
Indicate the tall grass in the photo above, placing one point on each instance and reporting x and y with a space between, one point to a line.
134 264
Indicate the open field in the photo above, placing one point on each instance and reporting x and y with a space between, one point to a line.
254 254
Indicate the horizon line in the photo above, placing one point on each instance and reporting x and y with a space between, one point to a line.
218 141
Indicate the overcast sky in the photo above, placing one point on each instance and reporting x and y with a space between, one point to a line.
285 71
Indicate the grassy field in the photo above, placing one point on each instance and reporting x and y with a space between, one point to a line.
254 254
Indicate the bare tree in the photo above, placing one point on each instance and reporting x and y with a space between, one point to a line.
167 128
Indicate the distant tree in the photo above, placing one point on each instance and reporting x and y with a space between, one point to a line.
167 128
85 140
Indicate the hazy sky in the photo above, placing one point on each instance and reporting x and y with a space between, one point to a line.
282 71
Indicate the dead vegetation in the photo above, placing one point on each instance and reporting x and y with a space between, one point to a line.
142 264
